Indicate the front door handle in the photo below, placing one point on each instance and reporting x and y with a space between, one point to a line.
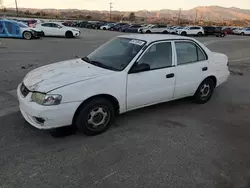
204 69
171 75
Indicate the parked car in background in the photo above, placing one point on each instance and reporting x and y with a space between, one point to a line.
58 29
237 31
118 26
158 28
144 70
146 26
14 29
98 25
245 31
176 29
191 30
107 26
82 24
227 30
211 30
133 28
123 28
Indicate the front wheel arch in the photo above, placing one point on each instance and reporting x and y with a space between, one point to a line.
110 98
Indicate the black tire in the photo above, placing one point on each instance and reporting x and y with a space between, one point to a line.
27 35
199 34
69 34
183 33
84 116
242 33
222 35
148 31
206 86
104 28
165 32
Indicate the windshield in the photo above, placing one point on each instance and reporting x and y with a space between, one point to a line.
115 54
22 25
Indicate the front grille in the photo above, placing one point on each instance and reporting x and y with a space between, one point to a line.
24 90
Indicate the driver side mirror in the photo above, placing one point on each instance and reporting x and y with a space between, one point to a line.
140 68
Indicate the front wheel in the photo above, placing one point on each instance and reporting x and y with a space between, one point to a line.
95 117
148 31
242 33
69 34
204 91
27 35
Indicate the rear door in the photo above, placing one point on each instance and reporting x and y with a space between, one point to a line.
192 67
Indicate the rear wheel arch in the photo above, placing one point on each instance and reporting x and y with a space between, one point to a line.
108 97
212 77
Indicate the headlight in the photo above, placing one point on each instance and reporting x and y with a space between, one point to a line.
46 99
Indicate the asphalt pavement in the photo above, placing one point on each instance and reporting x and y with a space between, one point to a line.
175 144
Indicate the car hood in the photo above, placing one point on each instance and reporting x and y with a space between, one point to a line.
57 75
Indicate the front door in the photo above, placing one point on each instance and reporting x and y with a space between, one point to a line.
192 68
156 84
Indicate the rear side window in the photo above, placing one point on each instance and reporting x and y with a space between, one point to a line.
188 52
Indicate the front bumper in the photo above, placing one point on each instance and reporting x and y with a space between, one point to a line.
76 33
53 116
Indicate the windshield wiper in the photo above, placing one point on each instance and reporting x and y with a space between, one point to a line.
97 63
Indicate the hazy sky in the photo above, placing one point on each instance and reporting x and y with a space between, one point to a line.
126 5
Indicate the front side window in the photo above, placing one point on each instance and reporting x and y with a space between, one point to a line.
188 52
116 54
158 56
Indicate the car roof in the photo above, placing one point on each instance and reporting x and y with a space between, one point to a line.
154 37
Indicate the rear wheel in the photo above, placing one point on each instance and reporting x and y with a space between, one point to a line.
95 116
222 34
165 32
148 31
184 33
27 35
199 34
204 91
69 34
242 33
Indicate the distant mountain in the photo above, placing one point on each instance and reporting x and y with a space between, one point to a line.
206 13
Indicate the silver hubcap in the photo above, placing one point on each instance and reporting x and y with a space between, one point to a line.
27 35
205 90
97 117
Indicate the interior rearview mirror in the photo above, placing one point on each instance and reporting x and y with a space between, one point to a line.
140 68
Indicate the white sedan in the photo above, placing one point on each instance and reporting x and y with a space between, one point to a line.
58 29
126 73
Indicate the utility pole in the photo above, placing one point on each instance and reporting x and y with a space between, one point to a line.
196 14
179 16
110 10
16 8
1 4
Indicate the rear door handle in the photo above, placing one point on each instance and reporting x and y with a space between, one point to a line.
171 75
204 69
